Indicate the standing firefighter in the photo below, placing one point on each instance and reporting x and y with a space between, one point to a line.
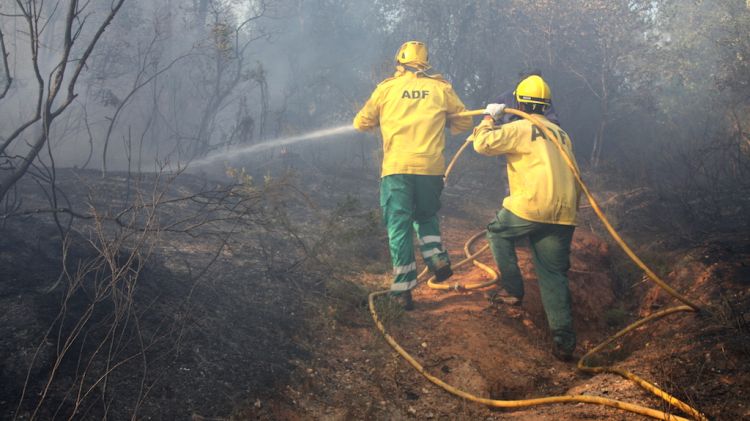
412 109
542 206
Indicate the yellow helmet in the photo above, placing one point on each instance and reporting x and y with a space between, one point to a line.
533 90
413 53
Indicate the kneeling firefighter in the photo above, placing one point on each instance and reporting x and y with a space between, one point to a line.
542 206
412 109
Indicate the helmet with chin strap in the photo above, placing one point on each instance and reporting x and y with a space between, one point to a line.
533 90
414 54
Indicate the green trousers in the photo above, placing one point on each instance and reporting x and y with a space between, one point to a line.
550 248
410 204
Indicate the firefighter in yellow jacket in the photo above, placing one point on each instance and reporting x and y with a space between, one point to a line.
542 206
412 109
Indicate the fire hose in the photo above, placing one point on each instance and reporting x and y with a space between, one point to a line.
688 306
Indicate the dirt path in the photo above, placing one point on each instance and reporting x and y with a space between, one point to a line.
488 350
503 353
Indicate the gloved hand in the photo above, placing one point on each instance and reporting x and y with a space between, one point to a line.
494 110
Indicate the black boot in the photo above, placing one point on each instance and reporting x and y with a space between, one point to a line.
443 273
564 355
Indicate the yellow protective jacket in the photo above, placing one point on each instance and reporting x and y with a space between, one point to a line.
542 186
412 112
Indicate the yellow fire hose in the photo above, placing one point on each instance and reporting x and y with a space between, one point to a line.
471 258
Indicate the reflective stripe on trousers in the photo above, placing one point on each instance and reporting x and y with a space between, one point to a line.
409 204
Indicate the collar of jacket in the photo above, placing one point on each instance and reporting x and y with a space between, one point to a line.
402 70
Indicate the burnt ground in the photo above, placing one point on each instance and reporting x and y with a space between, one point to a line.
182 320
271 321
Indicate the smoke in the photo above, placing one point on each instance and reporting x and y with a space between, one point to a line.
176 81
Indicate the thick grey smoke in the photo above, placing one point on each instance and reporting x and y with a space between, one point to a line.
173 81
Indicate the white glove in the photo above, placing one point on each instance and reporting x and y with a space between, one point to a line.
495 110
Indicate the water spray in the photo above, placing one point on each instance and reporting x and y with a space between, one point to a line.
258 147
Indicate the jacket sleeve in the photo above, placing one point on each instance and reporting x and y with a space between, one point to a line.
369 116
454 105
490 140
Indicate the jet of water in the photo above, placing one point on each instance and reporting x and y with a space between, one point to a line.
233 153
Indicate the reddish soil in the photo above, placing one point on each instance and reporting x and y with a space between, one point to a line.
486 349
498 352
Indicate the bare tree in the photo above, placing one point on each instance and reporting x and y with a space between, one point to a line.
147 72
8 80
50 103
226 68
